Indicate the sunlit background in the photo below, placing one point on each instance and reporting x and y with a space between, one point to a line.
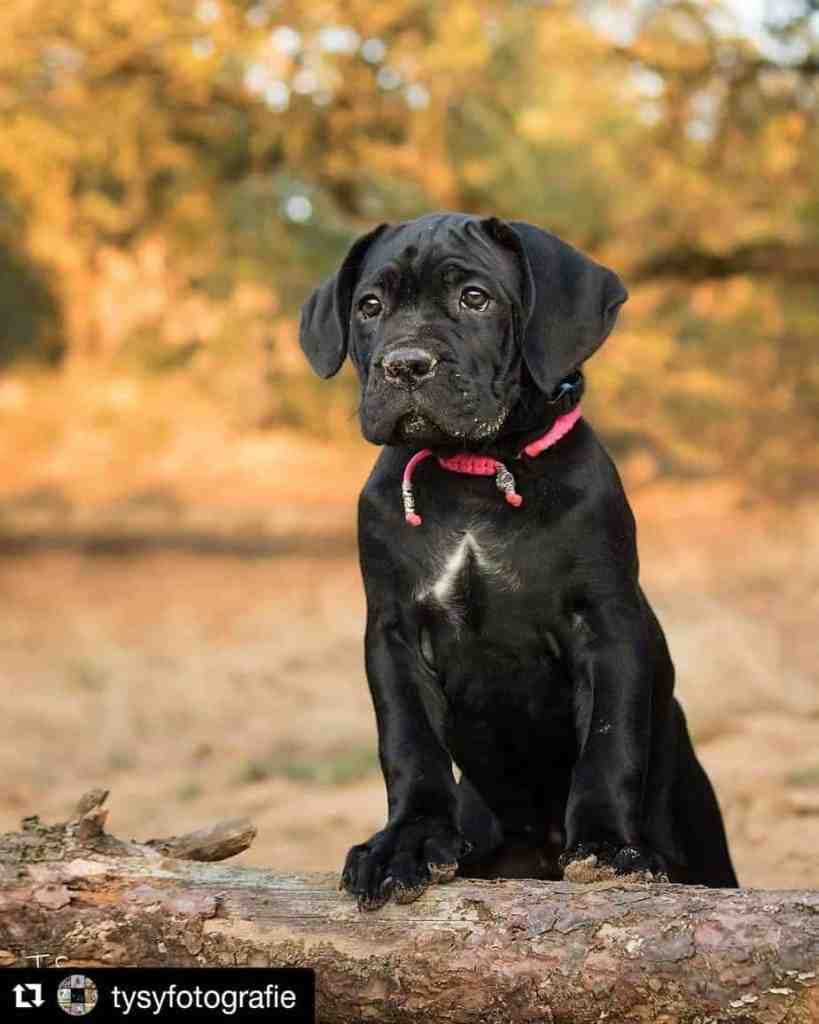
182 615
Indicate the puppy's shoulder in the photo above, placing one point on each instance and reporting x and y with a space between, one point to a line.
585 461
379 502
602 488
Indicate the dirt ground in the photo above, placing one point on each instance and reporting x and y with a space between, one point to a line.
198 686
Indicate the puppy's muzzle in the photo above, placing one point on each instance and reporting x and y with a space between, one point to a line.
409 367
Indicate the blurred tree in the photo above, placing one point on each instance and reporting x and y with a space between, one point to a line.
29 327
183 173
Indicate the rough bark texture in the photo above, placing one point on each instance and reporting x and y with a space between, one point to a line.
512 951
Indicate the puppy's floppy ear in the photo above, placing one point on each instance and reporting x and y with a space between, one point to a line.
325 317
570 302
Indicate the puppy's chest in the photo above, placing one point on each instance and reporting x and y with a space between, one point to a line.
485 609
478 590
462 568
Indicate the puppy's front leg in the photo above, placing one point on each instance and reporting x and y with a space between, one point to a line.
420 843
623 680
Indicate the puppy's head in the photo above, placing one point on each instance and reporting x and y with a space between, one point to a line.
448 319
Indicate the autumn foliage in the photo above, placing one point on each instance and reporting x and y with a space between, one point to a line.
175 176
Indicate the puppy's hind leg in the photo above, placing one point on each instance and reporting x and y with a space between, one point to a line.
701 832
496 853
481 829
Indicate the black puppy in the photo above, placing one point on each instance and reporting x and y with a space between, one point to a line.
506 627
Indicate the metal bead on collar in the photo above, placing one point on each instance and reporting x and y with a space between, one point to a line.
408 498
506 485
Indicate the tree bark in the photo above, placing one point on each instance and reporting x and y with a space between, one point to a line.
510 951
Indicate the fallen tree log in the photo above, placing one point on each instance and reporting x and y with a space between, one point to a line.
511 951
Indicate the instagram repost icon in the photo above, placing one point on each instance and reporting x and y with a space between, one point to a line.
77 995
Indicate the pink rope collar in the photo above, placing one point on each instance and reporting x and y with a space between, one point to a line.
482 465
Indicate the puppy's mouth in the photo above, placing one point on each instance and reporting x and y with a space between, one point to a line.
415 426
421 428
433 416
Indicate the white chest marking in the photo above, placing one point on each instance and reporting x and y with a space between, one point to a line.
453 564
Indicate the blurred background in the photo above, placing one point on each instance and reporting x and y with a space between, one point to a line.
181 613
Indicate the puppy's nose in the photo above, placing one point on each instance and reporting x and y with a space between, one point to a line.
409 367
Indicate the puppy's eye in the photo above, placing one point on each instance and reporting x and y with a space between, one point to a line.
475 298
369 306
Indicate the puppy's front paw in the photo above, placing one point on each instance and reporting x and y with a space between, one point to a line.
600 862
401 861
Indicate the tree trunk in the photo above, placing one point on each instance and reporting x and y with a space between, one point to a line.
510 951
